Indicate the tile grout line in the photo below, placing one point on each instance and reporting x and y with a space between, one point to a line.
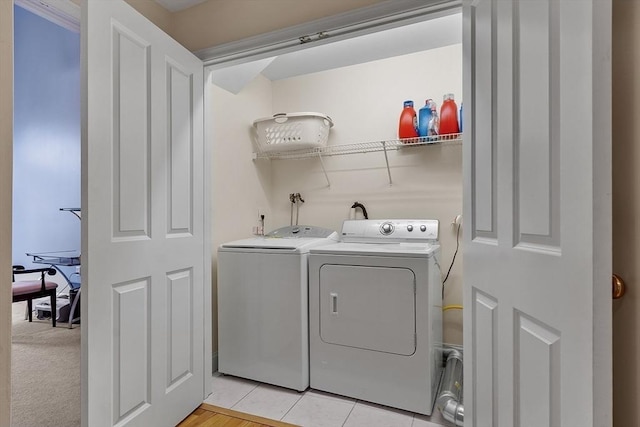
247 394
349 414
295 403
301 395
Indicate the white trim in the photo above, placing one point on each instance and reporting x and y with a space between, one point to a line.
208 314
381 16
61 12
178 5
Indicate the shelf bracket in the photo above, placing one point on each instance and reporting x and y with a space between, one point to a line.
386 159
324 170
74 211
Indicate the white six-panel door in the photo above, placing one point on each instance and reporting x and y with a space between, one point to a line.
143 237
537 208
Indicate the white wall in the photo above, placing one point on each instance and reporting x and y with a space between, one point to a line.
240 185
365 102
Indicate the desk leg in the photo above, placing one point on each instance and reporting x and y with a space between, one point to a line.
73 309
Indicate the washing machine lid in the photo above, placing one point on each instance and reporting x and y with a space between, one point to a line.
400 249
294 239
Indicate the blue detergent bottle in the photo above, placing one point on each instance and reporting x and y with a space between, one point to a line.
434 123
424 116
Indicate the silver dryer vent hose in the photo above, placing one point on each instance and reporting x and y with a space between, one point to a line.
449 400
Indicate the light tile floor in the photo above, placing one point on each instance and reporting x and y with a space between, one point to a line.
312 408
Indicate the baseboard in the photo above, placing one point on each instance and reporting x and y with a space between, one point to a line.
214 364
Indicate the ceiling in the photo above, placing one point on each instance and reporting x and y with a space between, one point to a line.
176 5
421 36
418 37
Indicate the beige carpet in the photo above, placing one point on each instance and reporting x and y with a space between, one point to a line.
45 373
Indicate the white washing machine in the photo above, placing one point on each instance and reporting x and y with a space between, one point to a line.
375 313
263 306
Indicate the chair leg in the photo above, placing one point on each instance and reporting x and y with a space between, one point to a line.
29 309
53 308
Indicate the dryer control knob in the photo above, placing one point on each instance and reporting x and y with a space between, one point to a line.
423 228
409 227
386 228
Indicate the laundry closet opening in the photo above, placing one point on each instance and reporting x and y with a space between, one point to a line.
361 83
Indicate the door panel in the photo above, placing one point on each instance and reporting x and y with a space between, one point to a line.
537 375
484 184
538 252
180 327
180 83
131 84
536 125
143 222
484 358
131 351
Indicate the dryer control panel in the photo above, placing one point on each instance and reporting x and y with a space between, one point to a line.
403 230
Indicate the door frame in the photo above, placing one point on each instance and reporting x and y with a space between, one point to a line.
381 16
387 14
6 196
358 22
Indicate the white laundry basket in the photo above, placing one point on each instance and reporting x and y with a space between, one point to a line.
292 131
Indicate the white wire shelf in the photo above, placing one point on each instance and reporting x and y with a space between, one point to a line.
364 147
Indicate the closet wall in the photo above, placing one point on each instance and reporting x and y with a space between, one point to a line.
365 102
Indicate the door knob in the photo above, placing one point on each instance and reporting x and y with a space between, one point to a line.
618 287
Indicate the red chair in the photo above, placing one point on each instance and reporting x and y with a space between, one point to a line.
27 290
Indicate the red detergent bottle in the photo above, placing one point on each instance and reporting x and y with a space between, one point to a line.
449 115
408 127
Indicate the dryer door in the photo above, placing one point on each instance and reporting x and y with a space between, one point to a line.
372 308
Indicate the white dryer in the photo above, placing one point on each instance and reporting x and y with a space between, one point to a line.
263 306
375 313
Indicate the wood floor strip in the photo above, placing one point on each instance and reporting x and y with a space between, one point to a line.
197 418
227 421
247 417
